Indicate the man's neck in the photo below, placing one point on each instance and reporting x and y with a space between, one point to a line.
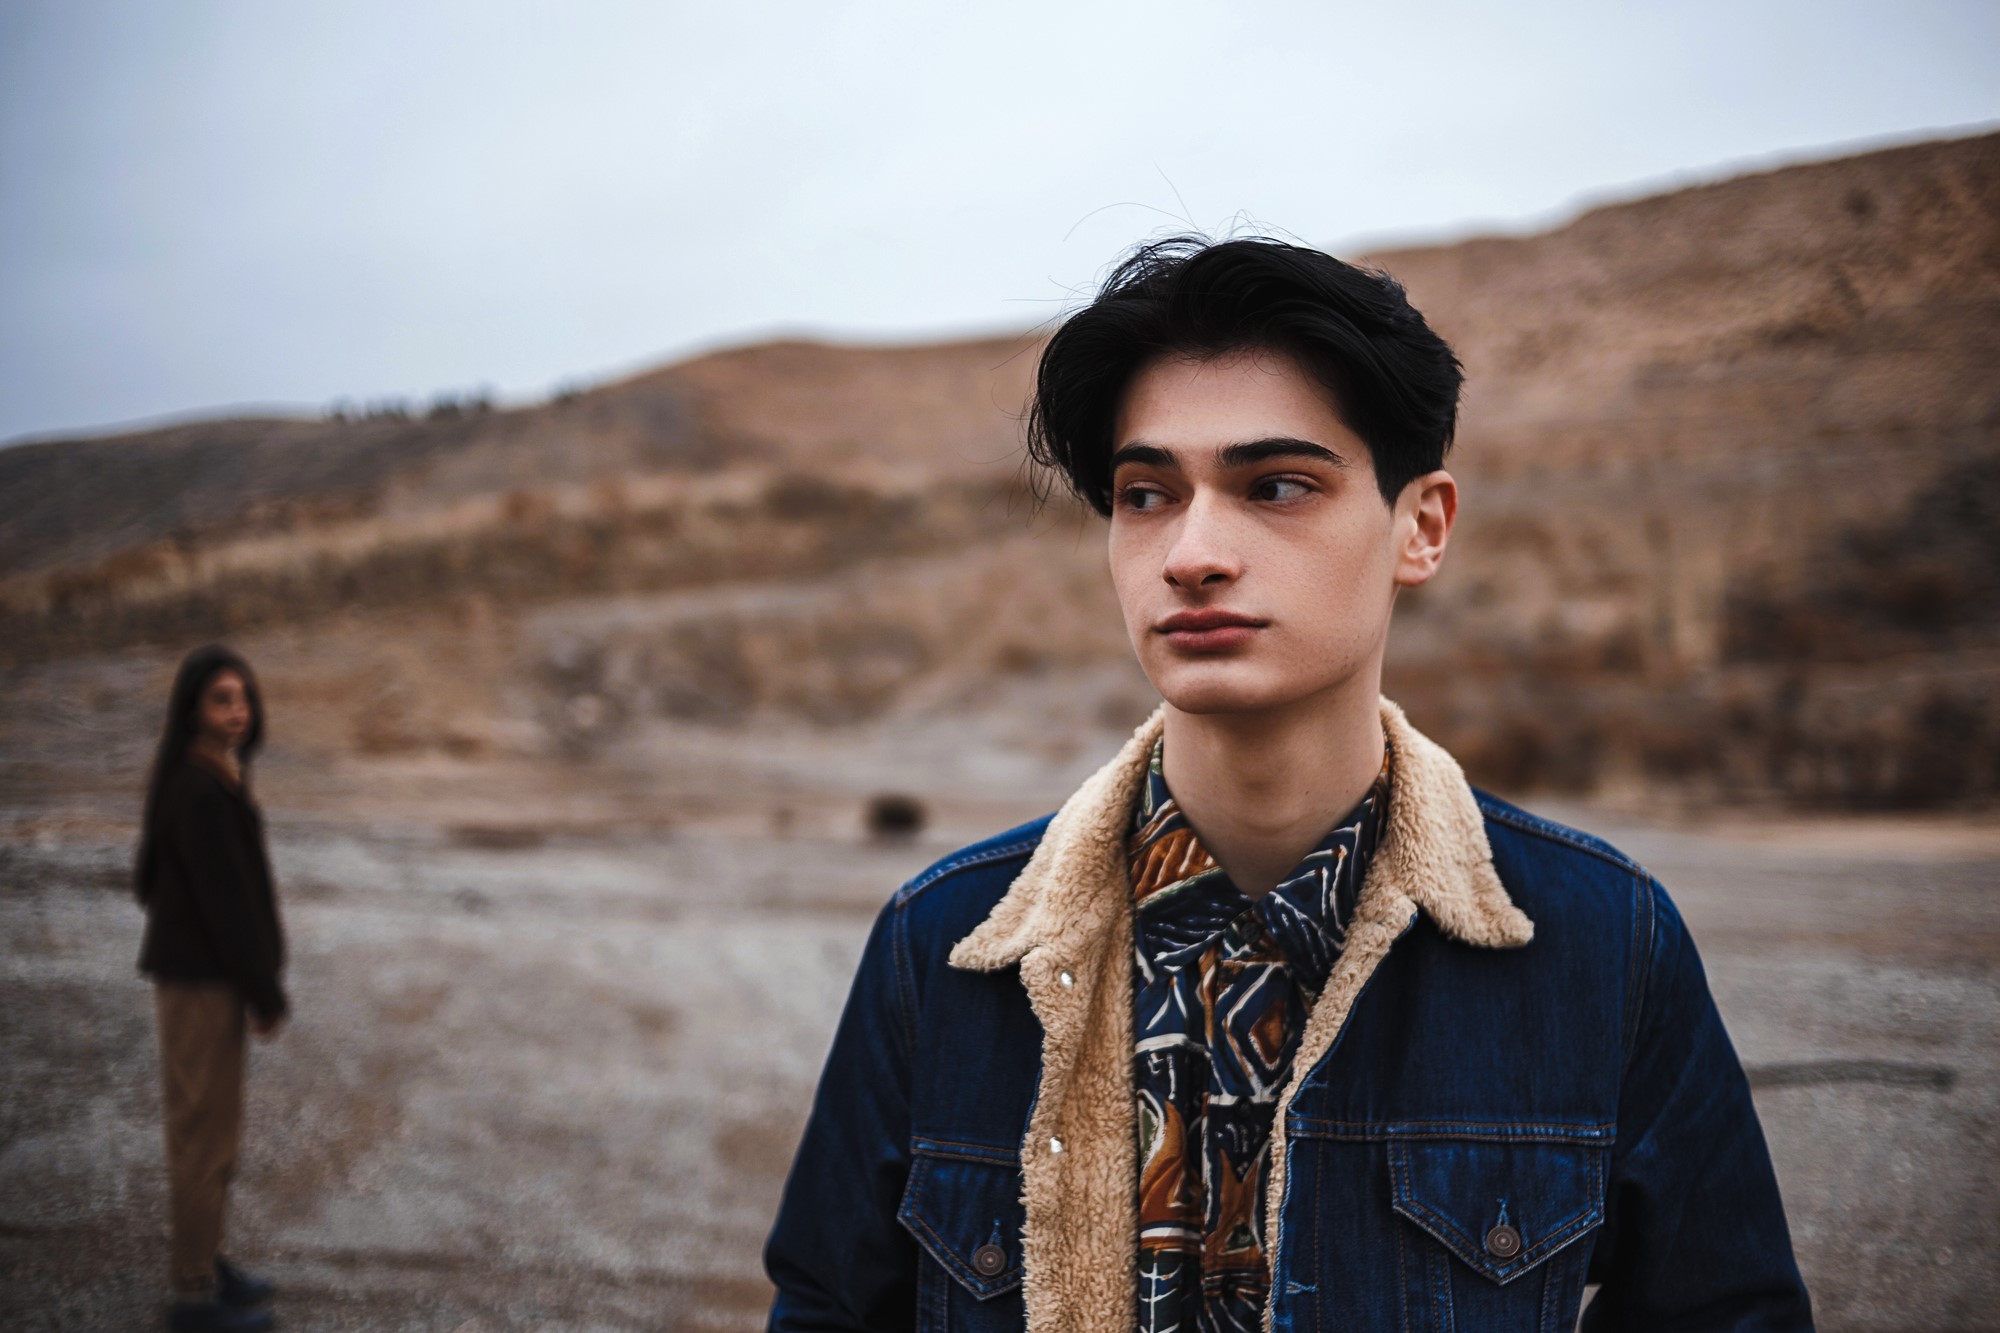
1262 789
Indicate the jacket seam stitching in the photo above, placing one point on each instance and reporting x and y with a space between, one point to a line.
1645 916
975 1152
1582 1140
1403 1273
1555 833
906 983
952 867
1390 1128
1319 1260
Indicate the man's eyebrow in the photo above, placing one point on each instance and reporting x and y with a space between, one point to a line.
1278 446
1245 454
1145 455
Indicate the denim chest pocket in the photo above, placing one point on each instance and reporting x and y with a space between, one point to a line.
962 1203
1496 1233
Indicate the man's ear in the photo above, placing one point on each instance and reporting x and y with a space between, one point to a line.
1425 512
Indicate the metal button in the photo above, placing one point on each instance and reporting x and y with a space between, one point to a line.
1055 1145
1066 979
1503 1242
988 1260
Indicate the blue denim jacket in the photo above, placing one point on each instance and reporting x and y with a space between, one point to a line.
1485 1131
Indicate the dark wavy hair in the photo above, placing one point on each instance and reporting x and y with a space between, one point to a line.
1394 382
197 669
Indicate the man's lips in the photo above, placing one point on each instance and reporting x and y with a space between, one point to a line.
1208 631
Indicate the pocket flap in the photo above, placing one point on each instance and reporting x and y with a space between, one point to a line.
963 1204
1500 1207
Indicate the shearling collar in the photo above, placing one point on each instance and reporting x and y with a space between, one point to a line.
1067 923
1434 852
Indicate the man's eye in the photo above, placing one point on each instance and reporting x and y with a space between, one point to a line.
1141 497
1281 488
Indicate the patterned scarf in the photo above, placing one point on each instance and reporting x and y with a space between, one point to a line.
1222 985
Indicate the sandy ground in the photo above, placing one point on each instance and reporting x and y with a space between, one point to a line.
557 1025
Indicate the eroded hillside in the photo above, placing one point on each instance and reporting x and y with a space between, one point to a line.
1731 460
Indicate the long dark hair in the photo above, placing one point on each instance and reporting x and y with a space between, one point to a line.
197 669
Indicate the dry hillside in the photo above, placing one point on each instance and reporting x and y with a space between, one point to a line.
1731 459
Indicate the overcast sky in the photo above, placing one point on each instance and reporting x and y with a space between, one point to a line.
205 205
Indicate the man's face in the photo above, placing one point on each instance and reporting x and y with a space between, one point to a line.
1254 558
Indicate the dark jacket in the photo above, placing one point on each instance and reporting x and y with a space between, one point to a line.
211 911
1515 1084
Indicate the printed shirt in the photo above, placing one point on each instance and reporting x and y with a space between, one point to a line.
1222 984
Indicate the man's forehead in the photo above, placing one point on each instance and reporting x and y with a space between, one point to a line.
1187 404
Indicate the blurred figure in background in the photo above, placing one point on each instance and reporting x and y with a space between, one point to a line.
214 949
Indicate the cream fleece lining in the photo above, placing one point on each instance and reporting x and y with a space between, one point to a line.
1069 912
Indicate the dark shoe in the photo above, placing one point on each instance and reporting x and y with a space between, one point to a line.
233 1286
212 1316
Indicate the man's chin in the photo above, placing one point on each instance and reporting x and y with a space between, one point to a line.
1222 688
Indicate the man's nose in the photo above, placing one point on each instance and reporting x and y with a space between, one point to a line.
1200 556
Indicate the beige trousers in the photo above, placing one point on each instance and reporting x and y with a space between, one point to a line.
202 1035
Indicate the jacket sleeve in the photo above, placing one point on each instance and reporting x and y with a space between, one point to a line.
837 1255
1695 1234
224 885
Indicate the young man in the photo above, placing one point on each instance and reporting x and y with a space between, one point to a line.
1278 1024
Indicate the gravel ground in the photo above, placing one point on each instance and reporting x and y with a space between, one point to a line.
548 1075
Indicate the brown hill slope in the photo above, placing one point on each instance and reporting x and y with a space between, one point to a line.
750 463
938 410
1733 462
1732 470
